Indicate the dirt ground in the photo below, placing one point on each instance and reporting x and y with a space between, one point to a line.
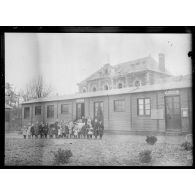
112 150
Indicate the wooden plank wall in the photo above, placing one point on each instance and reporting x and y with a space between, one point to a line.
185 99
143 123
119 121
66 116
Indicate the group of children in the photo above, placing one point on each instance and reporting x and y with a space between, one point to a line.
81 128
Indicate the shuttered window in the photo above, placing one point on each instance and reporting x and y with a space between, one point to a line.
119 105
50 111
143 107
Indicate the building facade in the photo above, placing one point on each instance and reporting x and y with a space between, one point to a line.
138 72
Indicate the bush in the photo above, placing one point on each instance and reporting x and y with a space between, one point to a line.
151 140
187 145
62 156
145 156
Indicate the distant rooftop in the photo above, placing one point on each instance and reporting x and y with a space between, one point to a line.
179 82
141 64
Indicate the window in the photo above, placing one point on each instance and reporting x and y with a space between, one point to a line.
50 111
119 105
26 112
37 110
94 88
105 87
137 83
120 85
84 89
143 107
64 108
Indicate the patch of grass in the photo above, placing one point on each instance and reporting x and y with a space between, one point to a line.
62 156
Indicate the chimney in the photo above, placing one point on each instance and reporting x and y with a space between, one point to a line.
161 58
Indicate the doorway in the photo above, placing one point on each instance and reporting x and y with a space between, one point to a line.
80 110
99 111
172 112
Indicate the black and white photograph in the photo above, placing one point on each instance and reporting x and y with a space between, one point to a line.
98 99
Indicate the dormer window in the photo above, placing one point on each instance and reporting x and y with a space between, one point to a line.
105 87
137 83
84 90
94 89
106 71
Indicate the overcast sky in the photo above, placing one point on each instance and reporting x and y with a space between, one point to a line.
65 59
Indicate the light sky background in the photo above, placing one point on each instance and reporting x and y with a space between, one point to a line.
65 59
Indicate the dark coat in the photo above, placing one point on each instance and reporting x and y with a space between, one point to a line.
46 129
66 129
40 129
96 128
32 130
101 129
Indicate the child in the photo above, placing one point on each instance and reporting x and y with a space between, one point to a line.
51 131
66 130
90 132
46 130
95 127
63 130
80 126
76 132
32 130
36 128
101 129
59 131
70 127
24 132
29 131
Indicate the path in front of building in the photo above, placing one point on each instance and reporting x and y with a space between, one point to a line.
118 150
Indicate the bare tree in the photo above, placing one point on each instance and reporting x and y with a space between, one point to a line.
11 98
37 88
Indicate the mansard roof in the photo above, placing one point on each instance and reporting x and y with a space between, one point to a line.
147 63
141 64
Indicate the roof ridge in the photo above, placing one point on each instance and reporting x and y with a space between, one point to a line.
147 57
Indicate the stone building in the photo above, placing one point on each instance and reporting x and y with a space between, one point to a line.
138 72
